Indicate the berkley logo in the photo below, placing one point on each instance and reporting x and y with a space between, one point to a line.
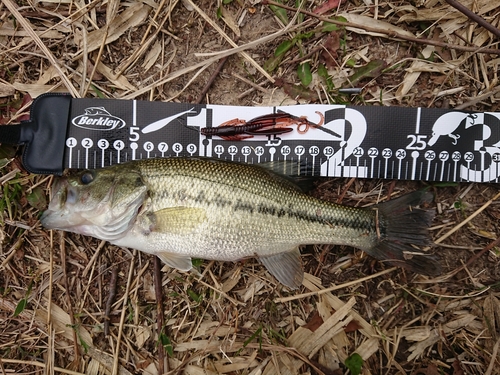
98 118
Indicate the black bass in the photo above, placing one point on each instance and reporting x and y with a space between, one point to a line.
183 208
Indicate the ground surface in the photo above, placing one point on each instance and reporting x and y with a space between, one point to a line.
56 289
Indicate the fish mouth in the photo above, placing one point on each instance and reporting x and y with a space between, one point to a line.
54 217
74 210
47 220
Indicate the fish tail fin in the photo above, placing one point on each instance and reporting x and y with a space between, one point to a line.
402 226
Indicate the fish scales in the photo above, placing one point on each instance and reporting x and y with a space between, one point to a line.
246 224
180 208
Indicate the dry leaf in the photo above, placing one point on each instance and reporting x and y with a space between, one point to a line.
48 74
442 11
457 369
491 314
314 323
5 30
187 5
151 369
332 45
129 18
449 328
352 326
229 20
119 81
6 89
431 369
325 7
236 364
152 56
36 90
413 73
142 334
297 91
384 27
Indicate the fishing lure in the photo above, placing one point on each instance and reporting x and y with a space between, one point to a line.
272 124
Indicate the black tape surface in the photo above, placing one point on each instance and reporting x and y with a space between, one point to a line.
365 142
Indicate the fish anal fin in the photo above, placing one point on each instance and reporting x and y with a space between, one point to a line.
286 267
180 262
177 220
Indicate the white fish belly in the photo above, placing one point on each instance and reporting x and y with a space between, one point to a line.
231 235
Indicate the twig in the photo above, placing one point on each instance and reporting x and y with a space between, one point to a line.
2 368
335 287
490 246
96 62
116 360
387 33
62 247
50 358
390 189
159 314
454 229
83 89
474 17
307 55
211 80
478 98
248 82
111 299
340 198
51 13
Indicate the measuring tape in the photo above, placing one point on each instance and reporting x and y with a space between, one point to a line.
353 141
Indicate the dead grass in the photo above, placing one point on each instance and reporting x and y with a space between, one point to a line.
235 319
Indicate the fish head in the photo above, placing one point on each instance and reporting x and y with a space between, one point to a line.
102 203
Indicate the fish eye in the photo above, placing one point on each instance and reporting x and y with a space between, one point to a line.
87 177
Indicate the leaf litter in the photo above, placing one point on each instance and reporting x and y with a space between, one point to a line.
352 312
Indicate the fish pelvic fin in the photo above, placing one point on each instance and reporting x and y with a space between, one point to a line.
286 267
402 228
180 262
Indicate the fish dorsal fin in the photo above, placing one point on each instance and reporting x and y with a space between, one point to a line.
286 267
292 174
180 262
177 220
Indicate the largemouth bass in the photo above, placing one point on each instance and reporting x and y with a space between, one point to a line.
183 208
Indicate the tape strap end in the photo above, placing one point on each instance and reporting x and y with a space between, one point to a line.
11 134
44 136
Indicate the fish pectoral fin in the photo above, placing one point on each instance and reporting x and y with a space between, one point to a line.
286 267
177 220
180 262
